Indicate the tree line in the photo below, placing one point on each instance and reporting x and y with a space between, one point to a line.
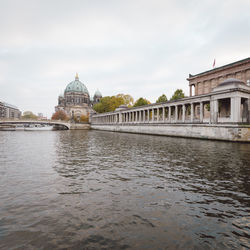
110 103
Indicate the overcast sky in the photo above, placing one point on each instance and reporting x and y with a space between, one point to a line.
139 47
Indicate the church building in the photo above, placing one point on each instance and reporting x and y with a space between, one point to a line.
76 100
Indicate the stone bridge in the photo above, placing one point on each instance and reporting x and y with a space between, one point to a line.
57 124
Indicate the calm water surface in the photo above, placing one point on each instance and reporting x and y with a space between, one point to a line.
104 190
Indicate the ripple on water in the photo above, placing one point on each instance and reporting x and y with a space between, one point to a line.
102 190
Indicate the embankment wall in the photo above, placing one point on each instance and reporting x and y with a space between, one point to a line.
214 132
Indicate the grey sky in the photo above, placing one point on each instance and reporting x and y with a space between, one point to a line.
137 47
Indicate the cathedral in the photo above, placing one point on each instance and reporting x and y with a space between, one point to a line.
76 100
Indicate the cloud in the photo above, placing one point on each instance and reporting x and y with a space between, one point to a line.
141 47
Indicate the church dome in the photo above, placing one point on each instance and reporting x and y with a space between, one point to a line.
98 93
76 86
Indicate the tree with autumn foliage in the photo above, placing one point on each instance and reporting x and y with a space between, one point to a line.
108 104
141 102
60 115
178 94
128 99
84 118
29 115
162 98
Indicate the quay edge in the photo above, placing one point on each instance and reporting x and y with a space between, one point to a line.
236 133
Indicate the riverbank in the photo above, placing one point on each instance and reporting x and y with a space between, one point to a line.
232 132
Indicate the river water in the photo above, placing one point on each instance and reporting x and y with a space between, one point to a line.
105 190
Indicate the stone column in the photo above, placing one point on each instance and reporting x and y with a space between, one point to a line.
176 113
190 90
202 87
183 112
120 118
153 115
192 112
169 114
214 111
196 88
158 114
136 116
148 115
235 109
201 112
144 116
163 114
140 118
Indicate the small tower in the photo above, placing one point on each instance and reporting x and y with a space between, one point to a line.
97 96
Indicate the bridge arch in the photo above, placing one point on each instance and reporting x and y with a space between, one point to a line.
59 124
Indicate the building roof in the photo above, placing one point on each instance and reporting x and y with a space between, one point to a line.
98 93
220 68
76 86
10 105
230 81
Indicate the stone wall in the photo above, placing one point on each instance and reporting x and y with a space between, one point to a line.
215 132
78 126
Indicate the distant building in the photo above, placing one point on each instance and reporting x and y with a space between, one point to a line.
205 82
9 111
76 99
41 117
97 97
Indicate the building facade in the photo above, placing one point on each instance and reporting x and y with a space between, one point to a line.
205 82
222 114
9 111
75 101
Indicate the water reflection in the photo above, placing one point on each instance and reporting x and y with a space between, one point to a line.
93 189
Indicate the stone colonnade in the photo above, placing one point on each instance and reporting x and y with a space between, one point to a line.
229 107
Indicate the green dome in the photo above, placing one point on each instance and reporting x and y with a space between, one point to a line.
76 86
98 93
